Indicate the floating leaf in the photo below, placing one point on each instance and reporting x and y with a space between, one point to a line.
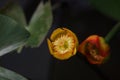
109 7
40 24
14 11
12 35
6 74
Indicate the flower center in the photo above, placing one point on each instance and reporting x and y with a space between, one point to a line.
93 52
64 44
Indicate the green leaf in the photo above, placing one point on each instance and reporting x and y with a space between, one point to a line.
2 78
108 7
40 24
6 74
14 11
12 35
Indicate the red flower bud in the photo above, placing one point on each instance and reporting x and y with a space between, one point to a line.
95 49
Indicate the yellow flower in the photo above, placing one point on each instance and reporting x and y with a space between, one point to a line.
62 43
95 49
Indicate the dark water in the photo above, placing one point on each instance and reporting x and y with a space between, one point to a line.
84 20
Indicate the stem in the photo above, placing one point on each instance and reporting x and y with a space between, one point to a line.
113 32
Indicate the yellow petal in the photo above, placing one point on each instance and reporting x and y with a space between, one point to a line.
74 51
56 33
75 38
50 46
62 56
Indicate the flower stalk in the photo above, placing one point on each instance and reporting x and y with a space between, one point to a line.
112 33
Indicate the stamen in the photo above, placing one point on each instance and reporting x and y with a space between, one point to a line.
64 44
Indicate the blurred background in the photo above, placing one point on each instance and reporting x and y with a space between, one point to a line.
83 19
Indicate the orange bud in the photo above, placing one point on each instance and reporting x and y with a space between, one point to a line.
62 43
95 49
